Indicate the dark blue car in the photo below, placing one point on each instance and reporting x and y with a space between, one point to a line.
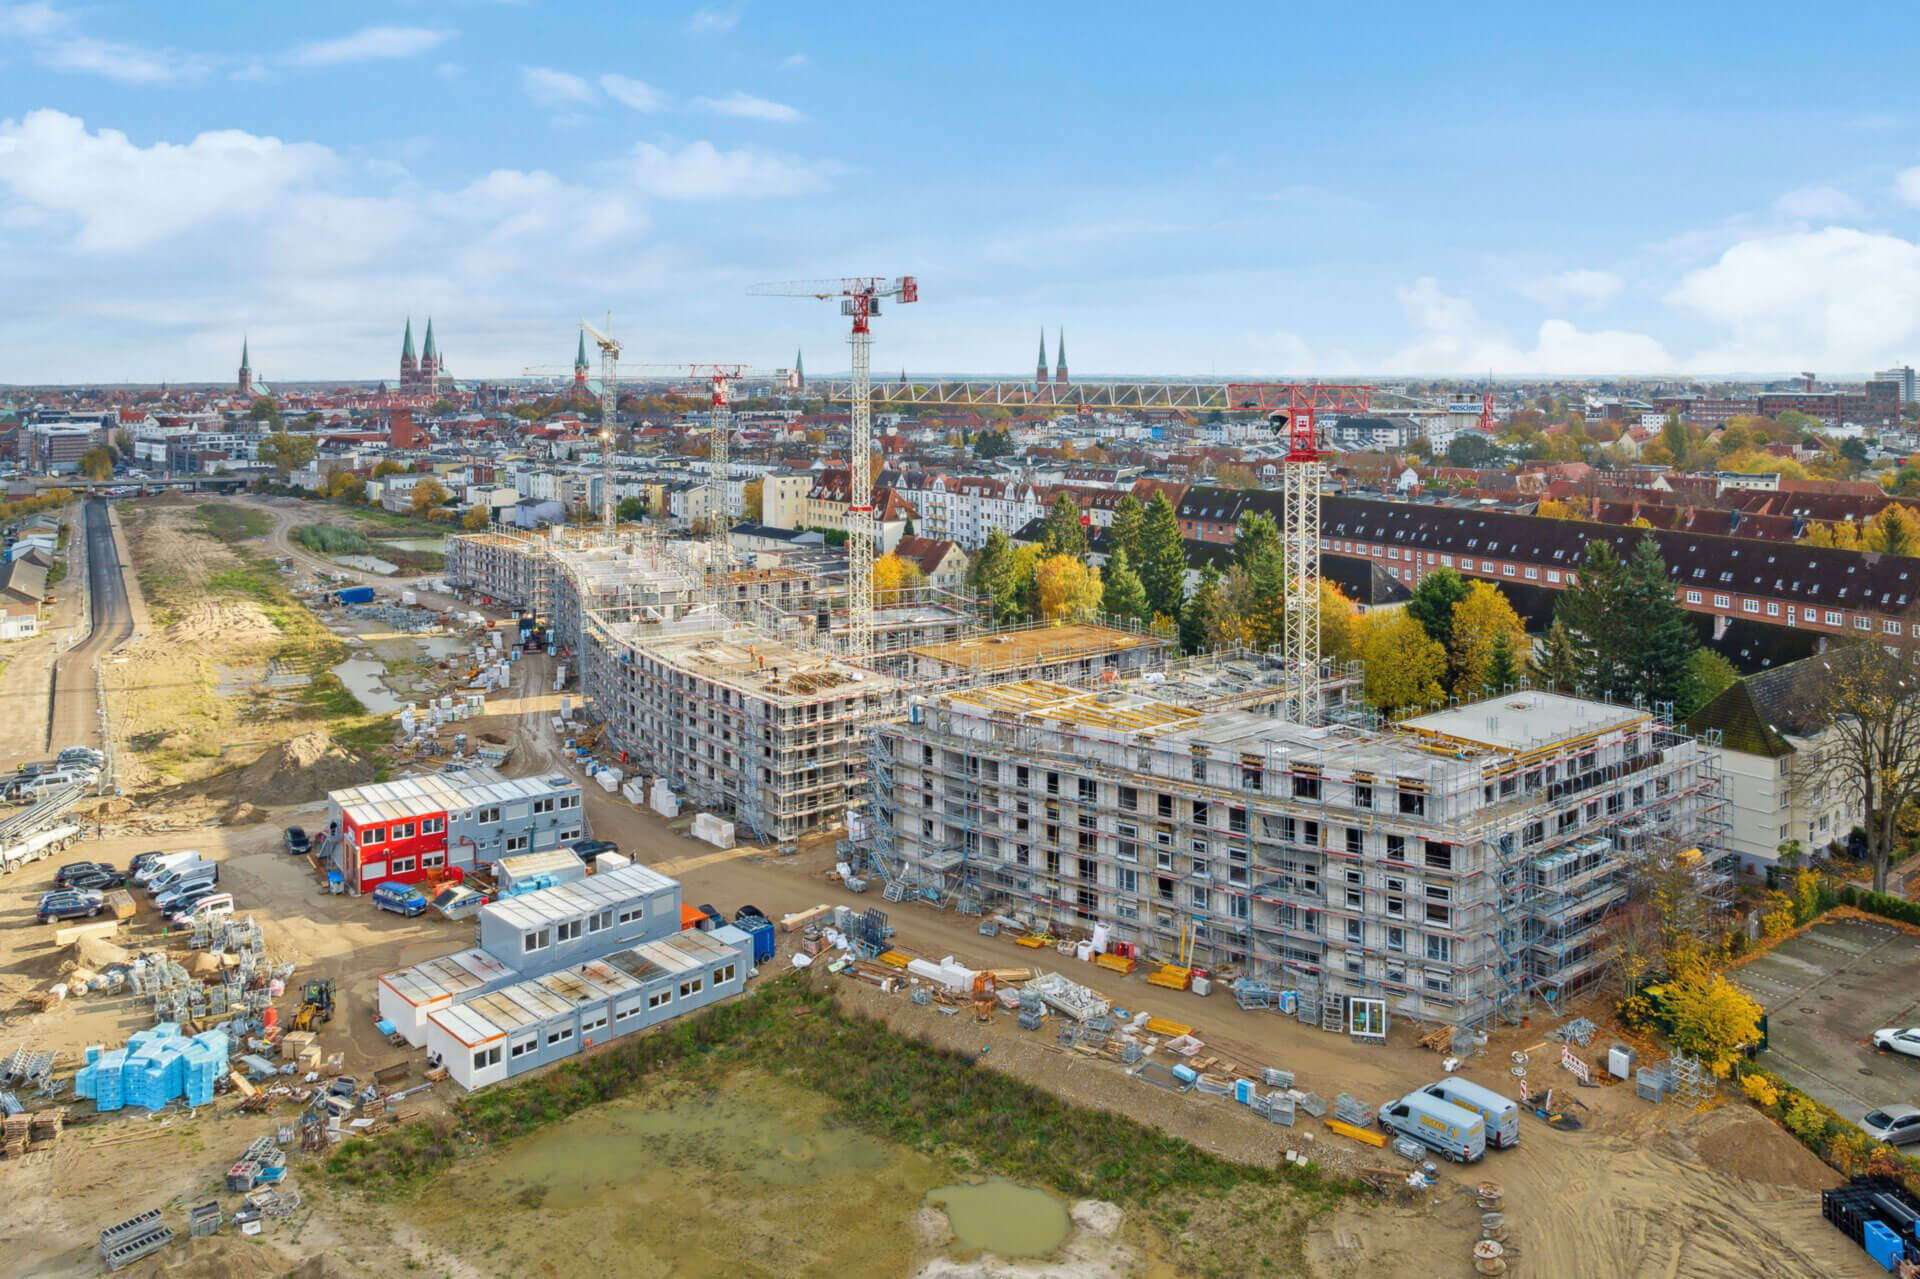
401 899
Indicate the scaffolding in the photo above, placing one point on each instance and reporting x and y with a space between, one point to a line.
1456 868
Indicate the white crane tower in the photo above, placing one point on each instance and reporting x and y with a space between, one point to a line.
609 402
860 298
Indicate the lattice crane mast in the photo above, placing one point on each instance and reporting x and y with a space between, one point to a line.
609 407
860 298
720 380
1294 408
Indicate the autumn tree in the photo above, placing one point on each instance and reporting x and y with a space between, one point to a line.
750 497
893 577
1122 596
1549 508
287 453
1871 752
1403 665
1162 562
387 466
1339 623
347 486
96 464
427 495
475 519
1894 531
1481 620
1708 1016
1065 589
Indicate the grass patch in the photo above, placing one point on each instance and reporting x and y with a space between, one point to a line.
896 1087
229 523
331 539
58 573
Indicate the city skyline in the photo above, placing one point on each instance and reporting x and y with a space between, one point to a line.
1388 203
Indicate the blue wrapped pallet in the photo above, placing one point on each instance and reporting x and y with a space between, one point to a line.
1243 1091
1882 1244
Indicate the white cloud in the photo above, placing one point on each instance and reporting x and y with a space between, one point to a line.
369 44
125 197
714 22
633 93
57 43
1453 340
1581 286
1835 298
700 171
553 88
745 106
794 60
1907 186
1817 204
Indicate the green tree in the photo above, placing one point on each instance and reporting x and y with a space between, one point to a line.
991 444
1123 596
1708 675
287 453
1062 533
1673 434
631 509
1472 450
1128 517
1557 667
441 407
1162 563
991 576
1503 668
263 409
1627 636
1199 620
1432 605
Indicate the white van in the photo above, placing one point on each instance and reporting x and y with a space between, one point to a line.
161 865
171 878
1453 1131
1502 1114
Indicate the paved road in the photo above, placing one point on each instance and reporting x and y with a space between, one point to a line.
74 717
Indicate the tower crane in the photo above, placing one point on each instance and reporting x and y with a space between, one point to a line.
860 298
609 406
721 380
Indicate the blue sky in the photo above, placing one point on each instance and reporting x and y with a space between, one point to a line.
1309 189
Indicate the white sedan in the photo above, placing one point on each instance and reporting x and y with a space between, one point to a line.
1894 1039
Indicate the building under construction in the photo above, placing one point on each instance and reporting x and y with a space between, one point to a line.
1455 866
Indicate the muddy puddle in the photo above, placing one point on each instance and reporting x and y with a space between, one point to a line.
1003 1217
755 1179
362 677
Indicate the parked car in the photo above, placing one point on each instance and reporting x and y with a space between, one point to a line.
457 901
185 896
1895 1040
180 876
401 899
1895 1125
76 870
204 908
100 877
68 905
298 842
141 861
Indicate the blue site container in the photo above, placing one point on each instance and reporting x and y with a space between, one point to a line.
354 595
760 929
1882 1244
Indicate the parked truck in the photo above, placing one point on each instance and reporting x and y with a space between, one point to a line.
31 848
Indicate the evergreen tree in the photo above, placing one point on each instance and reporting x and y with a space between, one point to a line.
1660 642
1433 601
1201 616
1124 598
1062 533
1162 563
1503 671
1593 627
1256 540
1125 529
1557 667
993 575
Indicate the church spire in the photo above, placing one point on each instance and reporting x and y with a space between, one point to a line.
1040 369
406 348
1060 369
246 365
428 352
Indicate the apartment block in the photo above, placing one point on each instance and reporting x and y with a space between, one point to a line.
1456 866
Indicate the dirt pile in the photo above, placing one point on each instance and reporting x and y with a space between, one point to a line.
300 770
1746 1143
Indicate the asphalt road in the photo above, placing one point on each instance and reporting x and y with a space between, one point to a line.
73 719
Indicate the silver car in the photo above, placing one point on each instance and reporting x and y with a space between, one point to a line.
1895 1125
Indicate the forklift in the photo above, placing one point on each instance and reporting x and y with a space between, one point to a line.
316 1005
